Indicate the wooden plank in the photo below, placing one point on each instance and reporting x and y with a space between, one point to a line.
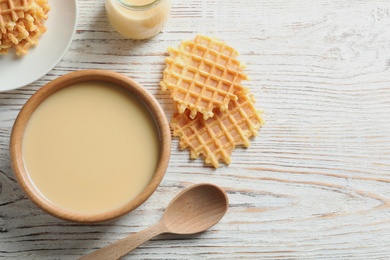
315 183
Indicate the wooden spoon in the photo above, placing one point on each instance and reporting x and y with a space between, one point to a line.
193 210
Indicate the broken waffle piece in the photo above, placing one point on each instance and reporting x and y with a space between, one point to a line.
21 24
203 74
216 137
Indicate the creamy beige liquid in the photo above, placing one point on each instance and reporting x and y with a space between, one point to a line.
138 22
91 147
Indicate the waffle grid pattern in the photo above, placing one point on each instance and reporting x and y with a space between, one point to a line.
202 75
21 24
10 12
216 137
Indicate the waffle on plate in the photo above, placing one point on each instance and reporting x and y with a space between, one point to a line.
21 24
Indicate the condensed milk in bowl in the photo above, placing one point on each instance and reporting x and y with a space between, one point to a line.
90 146
138 19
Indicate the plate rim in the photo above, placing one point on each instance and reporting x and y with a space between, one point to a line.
55 61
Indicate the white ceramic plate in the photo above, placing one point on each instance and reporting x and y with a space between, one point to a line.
61 25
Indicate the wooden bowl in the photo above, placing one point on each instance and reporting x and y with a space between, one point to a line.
62 82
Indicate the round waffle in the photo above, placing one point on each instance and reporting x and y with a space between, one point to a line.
203 74
216 137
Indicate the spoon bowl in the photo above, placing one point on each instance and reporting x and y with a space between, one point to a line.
193 210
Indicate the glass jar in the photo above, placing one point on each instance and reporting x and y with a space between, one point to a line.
138 19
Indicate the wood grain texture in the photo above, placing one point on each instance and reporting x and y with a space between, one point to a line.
194 210
315 183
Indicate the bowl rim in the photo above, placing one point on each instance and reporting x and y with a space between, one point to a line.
68 80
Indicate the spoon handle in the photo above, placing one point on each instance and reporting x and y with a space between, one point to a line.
121 247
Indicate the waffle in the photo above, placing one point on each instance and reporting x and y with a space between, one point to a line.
203 74
216 137
21 24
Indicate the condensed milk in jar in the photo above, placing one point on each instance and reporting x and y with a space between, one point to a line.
138 19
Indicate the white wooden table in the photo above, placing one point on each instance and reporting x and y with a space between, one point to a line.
315 183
